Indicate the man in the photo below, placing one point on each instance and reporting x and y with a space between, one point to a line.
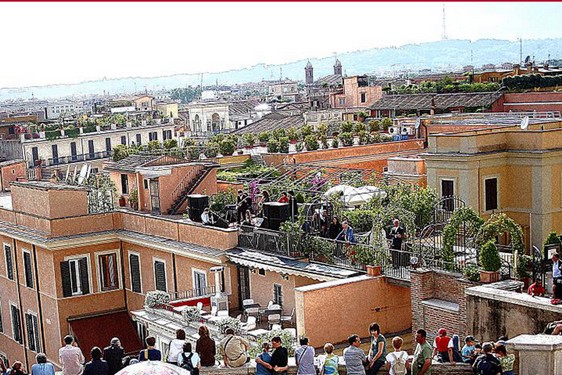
96 366
487 364
396 234
113 355
304 358
207 218
71 357
241 205
42 367
377 351
150 353
233 349
279 358
354 357
443 347
421 364
556 279
346 234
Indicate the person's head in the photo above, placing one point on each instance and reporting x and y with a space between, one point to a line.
397 342
538 282
276 342
555 257
68 340
487 347
477 346
150 341
229 331
335 220
206 209
96 353
265 346
284 194
500 349
16 366
240 192
115 341
345 224
442 332
374 329
203 331
396 222
328 348
303 341
187 347
180 334
41 358
420 336
469 340
354 340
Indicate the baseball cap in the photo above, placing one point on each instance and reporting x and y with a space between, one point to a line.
442 331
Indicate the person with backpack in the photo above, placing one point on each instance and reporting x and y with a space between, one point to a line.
304 358
487 364
189 360
328 364
396 360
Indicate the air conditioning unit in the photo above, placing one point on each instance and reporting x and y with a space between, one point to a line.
394 130
404 130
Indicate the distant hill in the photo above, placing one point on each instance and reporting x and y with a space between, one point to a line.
442 55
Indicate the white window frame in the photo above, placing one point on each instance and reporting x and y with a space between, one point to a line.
4 246
445 178
76 258
24 250
199 271
129 253
154 260
99 273
483 185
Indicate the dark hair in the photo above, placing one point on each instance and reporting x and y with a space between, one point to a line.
422 332
303 341
504 338
487 347
501 349
68 339
556 255
276 339
96 353
351 339
478 346
187 347
229 331
150 341
374 327
41 358
203 331
180 334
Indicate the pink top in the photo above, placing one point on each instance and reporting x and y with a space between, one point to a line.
71 358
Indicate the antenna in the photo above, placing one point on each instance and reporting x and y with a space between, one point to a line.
418 123
524 123
444 36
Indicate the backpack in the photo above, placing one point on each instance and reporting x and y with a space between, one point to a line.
188 365
399 366
485 366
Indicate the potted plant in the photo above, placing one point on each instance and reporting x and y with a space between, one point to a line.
490 263
122 201
293 134
249 140
524 263
263 137
156 298
134 199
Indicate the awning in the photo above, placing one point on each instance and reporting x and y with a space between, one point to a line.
100 329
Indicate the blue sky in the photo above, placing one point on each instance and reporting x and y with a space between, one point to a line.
72 42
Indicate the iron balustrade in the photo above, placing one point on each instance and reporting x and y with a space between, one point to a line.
193 293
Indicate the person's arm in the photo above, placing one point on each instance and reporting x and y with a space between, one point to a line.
263 363
425 367
451 359
81 356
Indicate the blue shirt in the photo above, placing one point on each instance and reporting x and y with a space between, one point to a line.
153 355
261 369
467 351
43 369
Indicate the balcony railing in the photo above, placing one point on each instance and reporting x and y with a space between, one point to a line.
193 293
77 158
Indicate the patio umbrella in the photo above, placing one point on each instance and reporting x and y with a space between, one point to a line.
153 368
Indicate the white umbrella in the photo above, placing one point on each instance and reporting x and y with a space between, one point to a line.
153 368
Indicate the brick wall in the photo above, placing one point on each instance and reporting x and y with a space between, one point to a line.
441 286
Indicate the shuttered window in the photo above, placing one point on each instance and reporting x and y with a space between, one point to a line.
108 271
27 268
75 280
32 332
278 294
160 275
16 324
134 263
9 262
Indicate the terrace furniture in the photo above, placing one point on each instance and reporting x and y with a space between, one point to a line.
249 325
288 318
257 332
273 319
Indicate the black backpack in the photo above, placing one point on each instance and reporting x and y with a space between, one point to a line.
485 365
188 365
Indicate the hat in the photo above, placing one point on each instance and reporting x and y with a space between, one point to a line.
442 331
469 338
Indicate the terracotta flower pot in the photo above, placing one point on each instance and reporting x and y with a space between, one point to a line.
489 276
374 270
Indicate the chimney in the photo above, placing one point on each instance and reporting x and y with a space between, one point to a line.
545 66
516 69
529 67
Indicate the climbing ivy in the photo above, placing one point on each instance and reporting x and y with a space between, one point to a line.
498 224
466 216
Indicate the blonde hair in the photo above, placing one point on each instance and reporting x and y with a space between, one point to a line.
328 348
397 342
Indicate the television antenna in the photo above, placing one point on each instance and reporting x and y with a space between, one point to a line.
524 123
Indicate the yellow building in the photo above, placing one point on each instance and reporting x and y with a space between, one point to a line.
504 169
168 109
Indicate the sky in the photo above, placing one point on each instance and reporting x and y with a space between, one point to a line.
51 43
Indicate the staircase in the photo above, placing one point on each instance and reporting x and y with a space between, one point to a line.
184 189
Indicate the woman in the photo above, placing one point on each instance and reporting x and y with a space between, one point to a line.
377 352
189 360
506 360
17 369
42 367
335 228
328 363
206 347
176 347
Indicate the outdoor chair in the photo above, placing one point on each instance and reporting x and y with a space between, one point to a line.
288 318
275 327
248 301
249 325
273 319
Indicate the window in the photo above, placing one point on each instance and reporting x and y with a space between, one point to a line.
108 144
32 332
1 319
145 183
199 282
342 101
123 140
108 271
75 280
491 193
73 151
55 152
16 324
261 271
124 184
134 265
278 294
91 151
27 269
139 139
363 97
447 190
153 136
9 262
160 275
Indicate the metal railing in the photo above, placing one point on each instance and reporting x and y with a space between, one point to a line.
193 293
77 158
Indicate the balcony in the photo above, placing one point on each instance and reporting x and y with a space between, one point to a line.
77 158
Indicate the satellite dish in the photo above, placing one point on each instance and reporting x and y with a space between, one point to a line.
524 122
83 172
418 123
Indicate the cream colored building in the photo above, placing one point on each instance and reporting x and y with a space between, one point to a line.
208 117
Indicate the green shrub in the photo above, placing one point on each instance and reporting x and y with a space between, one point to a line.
249 139
273 145
306 130
278 133
170 143
227 147
188 142
346 139
346 127
153 145
299 146
263 137
335 143
471 273
552 239
284 145
363 137
374 125
211 150
119 152
324 141
311 142
293 133
386 123
359 127
490 257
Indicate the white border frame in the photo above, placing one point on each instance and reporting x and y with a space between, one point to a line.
154 260
483 184
90 274
198 270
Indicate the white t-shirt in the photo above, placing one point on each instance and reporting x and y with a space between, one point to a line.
392 356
